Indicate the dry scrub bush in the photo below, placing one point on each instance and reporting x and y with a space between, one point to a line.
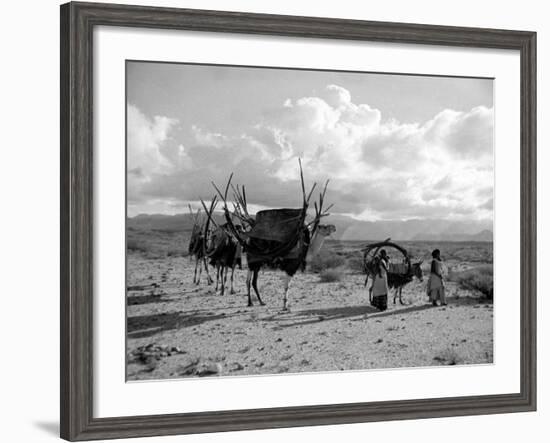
330 275
136 245
177 252
479 279
325 260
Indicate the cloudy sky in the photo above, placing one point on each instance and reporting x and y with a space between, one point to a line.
395 147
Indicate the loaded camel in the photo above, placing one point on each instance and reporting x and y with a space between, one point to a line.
399 274
279 238
197 247
222 250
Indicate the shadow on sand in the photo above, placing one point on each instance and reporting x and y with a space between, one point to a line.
145 299
468 300
147 325
304 317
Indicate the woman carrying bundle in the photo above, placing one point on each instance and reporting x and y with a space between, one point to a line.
380 284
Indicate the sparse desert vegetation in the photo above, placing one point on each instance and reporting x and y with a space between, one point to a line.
325 260
156 243
331 275
479 278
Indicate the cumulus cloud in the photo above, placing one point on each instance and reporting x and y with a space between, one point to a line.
379 169
151 151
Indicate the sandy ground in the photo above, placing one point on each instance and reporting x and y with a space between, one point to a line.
177 329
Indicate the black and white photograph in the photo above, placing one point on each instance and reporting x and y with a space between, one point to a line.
294 220
238 222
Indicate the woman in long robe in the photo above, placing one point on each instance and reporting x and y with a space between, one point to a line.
380 285
436 284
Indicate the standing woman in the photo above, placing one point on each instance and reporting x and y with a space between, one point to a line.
436 285
380 284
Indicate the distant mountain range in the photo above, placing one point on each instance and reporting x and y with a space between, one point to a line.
162 222
485 236
348 228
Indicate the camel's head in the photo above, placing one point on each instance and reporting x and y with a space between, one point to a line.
326 230
318 238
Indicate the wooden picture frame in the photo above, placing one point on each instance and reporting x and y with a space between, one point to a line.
77 23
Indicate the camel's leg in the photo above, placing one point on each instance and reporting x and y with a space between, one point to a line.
366 280
195 281
219 285
286 284
200 273
232 291
248 282
401 295
395 294
255 286
208 278
224 278
217 272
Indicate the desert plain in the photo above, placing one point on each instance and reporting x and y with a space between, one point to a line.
177 329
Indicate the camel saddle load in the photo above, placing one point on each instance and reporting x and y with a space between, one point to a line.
280 225
277 233
401 270
370 256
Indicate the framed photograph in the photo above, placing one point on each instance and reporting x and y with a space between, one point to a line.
273 221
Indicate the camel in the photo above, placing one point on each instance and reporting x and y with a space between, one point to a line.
222 249
224 253
279 238
197 248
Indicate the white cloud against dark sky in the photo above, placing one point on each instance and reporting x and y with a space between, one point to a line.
394 146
